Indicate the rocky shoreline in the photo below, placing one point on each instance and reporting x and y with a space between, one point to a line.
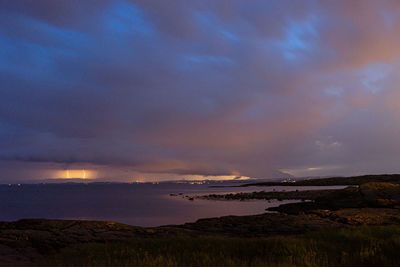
28 241
374 203
367 195
279 195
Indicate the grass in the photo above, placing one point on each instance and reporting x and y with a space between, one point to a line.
359 246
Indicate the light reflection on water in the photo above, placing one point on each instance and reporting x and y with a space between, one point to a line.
135 204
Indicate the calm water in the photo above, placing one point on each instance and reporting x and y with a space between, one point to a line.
136 204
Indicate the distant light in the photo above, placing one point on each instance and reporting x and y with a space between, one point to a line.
77 174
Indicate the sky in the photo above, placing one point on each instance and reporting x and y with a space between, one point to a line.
158 90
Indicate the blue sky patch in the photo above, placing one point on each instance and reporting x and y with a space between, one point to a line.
126 18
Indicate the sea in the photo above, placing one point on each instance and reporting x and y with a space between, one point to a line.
140 204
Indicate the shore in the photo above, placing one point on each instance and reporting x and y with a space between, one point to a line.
354 180
375 204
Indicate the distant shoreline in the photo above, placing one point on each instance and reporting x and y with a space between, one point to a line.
348 180
351 180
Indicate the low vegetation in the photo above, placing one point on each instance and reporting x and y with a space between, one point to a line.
358 246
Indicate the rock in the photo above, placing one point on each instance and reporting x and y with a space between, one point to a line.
381 194
30 239
377 195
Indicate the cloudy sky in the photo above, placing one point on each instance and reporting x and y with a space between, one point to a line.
154 89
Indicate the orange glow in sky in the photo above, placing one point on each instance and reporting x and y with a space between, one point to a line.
71 174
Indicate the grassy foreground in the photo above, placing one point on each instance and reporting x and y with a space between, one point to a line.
358 246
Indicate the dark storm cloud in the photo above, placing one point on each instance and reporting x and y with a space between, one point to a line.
201 87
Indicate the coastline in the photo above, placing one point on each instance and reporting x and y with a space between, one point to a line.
370 204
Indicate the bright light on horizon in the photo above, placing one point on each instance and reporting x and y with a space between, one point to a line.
75 174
